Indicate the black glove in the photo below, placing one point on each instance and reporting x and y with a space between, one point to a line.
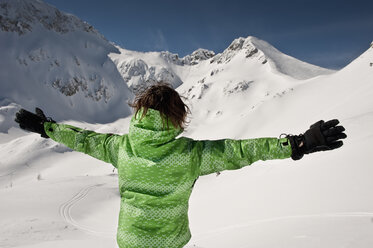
32 122
321 136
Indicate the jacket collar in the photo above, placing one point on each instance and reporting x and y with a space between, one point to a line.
152 129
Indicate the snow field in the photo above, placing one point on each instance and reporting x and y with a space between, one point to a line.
54 197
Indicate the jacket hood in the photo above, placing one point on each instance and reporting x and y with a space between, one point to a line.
152 128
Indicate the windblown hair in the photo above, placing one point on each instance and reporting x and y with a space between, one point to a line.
166 100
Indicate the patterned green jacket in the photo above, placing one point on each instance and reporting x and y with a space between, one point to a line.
157 172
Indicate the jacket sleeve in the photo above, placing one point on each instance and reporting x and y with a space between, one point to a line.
228 154
104 147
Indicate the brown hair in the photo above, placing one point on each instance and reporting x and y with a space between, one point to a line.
166 100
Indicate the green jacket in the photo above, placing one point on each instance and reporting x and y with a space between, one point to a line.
157 172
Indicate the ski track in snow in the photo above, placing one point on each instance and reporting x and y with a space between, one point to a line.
66 209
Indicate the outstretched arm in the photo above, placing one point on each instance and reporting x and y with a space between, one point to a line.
101 146
104 147
228 154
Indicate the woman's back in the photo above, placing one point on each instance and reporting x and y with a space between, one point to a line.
156 176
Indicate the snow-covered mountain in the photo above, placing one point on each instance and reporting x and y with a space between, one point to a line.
263 52
52 197
47 54
140 69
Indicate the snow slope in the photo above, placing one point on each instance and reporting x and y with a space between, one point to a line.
47 54
53 197
322 200
287 64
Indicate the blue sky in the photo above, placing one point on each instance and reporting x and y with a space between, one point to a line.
326 33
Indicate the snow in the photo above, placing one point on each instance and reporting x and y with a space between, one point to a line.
58 56
324 198
54 197
287 64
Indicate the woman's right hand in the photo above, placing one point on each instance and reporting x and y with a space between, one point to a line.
32 122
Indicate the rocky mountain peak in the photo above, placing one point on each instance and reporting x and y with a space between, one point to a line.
255 49
191 59
198 56
241 44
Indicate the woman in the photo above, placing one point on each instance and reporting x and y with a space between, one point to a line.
157 171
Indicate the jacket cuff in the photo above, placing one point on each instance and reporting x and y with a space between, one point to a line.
296 152
49 127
